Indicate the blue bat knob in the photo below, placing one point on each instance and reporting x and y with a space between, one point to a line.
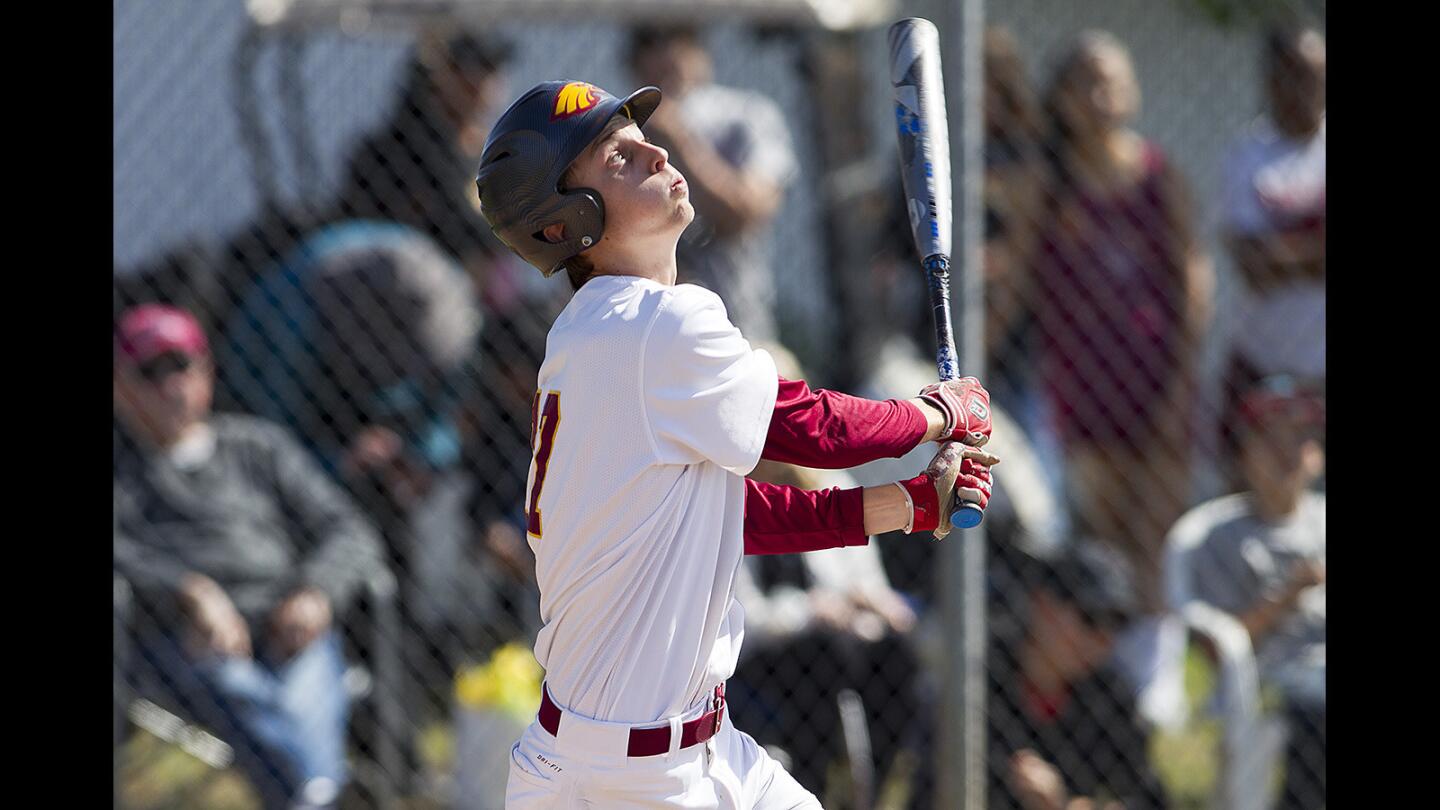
967 516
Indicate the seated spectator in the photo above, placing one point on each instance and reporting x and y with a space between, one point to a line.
1063 725
364 341
1263 561
361 341
242 552
829 620
1123 298
1273 201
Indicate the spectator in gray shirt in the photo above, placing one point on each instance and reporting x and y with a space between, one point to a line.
241 552
1263 561
737 155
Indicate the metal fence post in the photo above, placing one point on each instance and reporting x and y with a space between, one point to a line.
962 770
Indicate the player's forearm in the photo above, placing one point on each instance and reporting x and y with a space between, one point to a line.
886 509
829 430
782 519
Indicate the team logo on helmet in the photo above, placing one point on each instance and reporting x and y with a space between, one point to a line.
575 98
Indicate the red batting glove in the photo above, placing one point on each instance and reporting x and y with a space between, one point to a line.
924 503
966 405
936 493
975 483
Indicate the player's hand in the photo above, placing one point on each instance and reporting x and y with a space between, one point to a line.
932 494
215 626
974 484
965 405
1036 783
298 620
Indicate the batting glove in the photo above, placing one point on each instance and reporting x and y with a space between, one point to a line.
966 405
956 473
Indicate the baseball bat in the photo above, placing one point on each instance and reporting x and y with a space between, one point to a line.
925 174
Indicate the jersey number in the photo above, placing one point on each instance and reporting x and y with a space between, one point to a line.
543 422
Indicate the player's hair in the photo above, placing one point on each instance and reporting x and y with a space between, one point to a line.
579 269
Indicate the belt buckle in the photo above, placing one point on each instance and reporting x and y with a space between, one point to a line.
707 726
711 724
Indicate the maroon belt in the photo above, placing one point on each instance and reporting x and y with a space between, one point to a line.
649 742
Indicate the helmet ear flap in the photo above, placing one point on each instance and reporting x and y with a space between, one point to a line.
582 213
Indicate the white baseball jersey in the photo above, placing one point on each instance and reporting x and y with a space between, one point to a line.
650 408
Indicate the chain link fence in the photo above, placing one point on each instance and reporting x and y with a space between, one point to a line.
323 591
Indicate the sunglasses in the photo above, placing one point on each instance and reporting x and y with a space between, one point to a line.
158 368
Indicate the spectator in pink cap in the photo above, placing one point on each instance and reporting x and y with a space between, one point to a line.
239 552
162 369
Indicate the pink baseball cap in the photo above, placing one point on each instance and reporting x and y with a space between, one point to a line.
1282 396
150 330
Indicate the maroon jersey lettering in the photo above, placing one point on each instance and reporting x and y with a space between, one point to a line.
542 425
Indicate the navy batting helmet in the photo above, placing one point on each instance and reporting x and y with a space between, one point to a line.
527 154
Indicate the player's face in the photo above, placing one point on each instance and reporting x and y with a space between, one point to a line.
162 397
643 193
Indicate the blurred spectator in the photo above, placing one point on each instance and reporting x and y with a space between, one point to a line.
418 169
363 340
1063 726
1016 182
1124 297
496 422
735 151
243 552
1263 561
1274 220
830 620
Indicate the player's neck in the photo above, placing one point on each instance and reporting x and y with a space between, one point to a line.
656 264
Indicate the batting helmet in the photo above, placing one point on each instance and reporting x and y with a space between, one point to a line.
527 154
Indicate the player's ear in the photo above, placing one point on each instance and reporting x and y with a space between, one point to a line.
554 233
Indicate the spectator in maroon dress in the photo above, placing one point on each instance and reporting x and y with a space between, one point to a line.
1123 298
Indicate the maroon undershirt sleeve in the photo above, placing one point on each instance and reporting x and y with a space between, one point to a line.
782 519
830 431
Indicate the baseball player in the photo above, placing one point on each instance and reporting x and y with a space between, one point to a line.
650 409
